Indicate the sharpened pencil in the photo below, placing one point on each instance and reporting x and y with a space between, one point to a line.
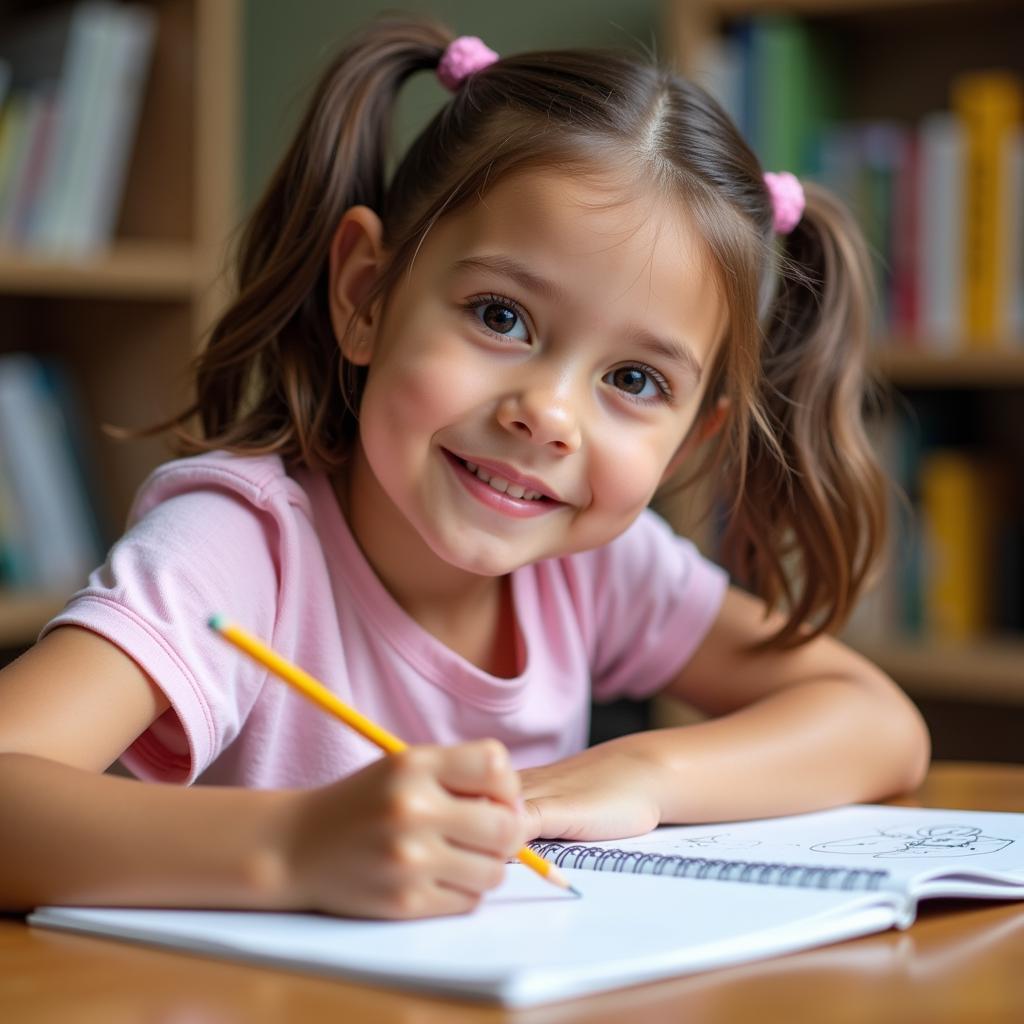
315 691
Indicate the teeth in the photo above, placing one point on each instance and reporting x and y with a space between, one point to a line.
502 485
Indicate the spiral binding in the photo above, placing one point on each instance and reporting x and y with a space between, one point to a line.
599 858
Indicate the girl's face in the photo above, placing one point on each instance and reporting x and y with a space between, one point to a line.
535 371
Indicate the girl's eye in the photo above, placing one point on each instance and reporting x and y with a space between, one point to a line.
501 316
640 383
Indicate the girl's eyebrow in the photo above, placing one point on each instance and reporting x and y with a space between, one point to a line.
675 351
515 270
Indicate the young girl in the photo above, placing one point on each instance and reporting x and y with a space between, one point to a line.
431 424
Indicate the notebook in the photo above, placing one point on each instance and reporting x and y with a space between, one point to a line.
678 900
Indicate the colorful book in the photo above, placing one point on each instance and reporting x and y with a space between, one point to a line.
958 514
60 539
989 104
791 90
88 214
14 568
884 146
1012 256
81 71
91 60
940 226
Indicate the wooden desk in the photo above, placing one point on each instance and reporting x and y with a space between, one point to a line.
961 961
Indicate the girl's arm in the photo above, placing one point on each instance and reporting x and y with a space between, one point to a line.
791 731
406 837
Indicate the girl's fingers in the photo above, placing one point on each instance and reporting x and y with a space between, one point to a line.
482 826
469 872
441 900
480 768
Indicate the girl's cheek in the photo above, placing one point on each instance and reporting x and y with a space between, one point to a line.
626 480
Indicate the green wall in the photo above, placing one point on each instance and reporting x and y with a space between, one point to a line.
288 43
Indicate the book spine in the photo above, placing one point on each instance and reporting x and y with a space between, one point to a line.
1012 311
940 223
29 117
14 568
74 92
883 147
673 865
956 512
59 540
989 104
905 233
129 31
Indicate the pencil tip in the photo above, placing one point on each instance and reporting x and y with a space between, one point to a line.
216 622
575 892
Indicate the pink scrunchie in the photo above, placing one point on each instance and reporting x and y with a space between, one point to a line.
787 200
462 58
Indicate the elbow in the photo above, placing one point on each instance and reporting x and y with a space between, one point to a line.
905 734
918 757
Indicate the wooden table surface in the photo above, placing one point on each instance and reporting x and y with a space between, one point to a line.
961 961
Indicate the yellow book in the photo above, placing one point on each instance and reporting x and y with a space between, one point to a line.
989 104
957 519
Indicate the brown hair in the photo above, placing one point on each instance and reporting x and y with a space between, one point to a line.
806 497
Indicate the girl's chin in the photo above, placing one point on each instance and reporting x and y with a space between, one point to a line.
479 563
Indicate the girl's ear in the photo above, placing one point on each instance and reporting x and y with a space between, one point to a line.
357 257
703 430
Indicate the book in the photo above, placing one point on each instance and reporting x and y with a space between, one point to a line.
80 72
794 91
940 226
1011 311
117 67
59 529
989 104
678 900
14 568
36 46
782 88
958 512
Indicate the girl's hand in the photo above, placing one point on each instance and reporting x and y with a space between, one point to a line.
415 834
606 792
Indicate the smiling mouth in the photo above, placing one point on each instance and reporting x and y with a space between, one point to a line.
501 485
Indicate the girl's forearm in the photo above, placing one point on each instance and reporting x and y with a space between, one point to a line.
813 745
75 837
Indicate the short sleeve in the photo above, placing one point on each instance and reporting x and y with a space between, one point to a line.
655 598
193 554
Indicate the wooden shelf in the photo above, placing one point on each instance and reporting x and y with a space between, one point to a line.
1001 367
128 270
22 615
984 671
732 8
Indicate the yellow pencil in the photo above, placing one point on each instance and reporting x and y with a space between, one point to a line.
319 694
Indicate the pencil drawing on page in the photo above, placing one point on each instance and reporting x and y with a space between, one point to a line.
923 842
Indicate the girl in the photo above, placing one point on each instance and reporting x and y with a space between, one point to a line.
431 424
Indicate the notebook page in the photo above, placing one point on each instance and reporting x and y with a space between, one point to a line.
527 943
886 847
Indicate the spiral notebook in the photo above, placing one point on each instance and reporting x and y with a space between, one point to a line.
676 901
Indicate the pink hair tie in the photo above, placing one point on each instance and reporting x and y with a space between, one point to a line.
463 57
788 200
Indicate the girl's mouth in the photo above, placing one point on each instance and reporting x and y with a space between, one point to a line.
498 493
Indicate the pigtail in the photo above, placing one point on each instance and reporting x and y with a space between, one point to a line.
810 518
260 380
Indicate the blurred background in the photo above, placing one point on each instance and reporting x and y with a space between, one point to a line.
135 135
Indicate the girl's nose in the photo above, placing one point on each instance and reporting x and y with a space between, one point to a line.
542 416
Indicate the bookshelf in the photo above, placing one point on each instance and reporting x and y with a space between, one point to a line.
897 59
126 320
905 368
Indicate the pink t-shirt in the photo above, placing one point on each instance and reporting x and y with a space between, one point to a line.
272 552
